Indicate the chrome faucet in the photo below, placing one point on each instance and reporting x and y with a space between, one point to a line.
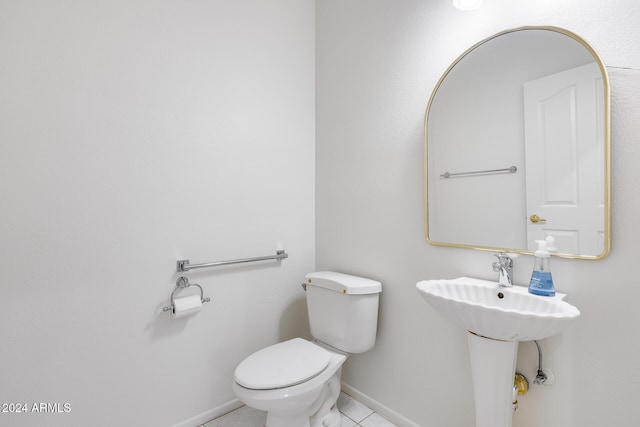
504 266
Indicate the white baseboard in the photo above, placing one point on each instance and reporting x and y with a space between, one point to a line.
386 412
211 414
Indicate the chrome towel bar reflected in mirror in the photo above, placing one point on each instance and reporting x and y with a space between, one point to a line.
512 169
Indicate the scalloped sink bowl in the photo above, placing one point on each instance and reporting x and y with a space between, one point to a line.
509 314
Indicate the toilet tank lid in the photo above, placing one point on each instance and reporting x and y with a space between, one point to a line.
343 283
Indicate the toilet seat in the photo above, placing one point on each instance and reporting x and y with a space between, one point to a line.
282 365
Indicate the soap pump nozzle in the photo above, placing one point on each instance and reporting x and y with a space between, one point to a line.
542 251
551 241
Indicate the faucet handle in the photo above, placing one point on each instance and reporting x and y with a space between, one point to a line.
503 259
504 266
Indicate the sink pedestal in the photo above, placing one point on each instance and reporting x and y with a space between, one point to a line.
493 367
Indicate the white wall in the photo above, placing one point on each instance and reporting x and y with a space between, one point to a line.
377 62
133 134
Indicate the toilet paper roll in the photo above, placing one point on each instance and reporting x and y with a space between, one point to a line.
186 306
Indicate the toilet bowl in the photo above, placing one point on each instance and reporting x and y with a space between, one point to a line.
297 382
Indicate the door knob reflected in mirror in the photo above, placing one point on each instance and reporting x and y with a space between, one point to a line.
535 219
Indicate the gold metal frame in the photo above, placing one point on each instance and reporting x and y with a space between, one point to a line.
607 148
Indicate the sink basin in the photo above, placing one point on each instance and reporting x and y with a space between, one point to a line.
508 314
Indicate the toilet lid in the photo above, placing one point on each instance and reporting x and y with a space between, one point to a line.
281 365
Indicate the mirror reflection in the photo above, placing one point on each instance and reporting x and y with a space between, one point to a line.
517 146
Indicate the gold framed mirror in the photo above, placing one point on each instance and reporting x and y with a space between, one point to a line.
516 146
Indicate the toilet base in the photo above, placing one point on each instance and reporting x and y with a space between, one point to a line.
300 420
332 419
327 414
322 413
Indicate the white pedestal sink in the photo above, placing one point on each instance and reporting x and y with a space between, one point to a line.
496 319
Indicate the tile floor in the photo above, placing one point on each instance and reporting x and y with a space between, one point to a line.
354 414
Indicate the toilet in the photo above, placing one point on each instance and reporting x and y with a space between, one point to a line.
297 382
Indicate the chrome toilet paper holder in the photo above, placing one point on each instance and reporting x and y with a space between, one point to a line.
183 283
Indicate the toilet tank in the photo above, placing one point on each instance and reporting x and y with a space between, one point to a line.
343 310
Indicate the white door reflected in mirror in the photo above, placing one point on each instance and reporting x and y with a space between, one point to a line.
563 153
478 119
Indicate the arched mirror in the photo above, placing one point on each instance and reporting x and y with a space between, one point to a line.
517 146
